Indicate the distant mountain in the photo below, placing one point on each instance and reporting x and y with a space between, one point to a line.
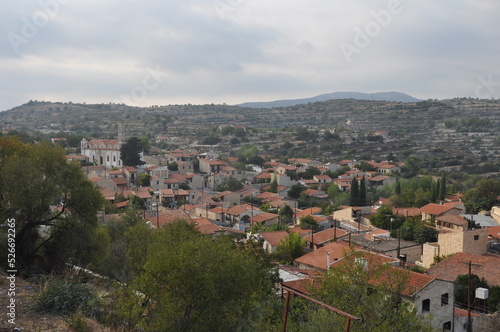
385 96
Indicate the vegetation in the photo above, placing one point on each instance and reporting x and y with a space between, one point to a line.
41 190
130 152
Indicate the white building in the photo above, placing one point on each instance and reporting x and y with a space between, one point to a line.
104 152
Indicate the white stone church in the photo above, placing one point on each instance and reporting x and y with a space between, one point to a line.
104 152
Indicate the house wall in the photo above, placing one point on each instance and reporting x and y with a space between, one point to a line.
345 214
483 323
284 180
495 213
473 241
439 313
204 167
413 253
429 251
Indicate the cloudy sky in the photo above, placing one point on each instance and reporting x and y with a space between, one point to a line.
234 51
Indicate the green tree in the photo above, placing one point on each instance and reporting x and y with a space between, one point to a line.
295 190
289 249
308 222
425 234
173 166
372 292
310 172
50 200
286 214
194 283
144 180
461 287
145 145
230 183
442 187
483 197
354 194
411 166
130 152
362 192
397 189
273 186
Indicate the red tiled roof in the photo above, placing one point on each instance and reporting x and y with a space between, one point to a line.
318 258
454 266
168 216
407 212
435 209
265 216
309 211
205 226
457 312
274 238
324 236
213 162
119 181
453 219
494 232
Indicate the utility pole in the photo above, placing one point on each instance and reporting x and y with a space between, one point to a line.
469 322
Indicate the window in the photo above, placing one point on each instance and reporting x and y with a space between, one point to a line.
426 305
444 299
476 237
447 326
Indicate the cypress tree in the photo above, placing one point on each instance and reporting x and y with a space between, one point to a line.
438 189
397 190
362 192
353 199
442 188
433 192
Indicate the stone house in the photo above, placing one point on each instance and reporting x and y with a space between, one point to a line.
210 166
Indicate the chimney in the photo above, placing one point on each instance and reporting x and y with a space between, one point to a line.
402 260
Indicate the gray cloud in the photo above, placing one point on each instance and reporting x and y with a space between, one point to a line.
95 51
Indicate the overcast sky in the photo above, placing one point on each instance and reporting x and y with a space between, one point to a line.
233 51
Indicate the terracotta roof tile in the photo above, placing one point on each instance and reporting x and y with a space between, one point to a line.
274 238
453 266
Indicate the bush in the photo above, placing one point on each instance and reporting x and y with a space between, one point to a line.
62 297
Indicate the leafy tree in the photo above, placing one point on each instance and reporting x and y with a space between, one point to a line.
130 152
364 166
290 249
351 287
144 180
310 172
308 222
425 234
354 194
295 190
461 287
173 166
230 183
286 214
247 152
210 140
194 283
41 190
412 166
145 145
382 218
273 186
483 197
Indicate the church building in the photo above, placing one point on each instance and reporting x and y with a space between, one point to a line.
104 152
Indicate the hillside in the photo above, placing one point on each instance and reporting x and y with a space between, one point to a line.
384 96
444 133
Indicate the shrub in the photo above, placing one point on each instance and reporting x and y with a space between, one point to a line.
62 297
